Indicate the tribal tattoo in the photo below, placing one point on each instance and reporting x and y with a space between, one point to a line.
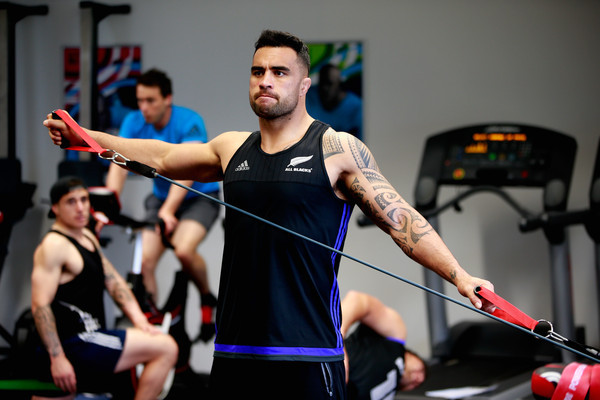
389 209
46 325
332 145
119 293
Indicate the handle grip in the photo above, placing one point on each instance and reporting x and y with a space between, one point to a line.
65 142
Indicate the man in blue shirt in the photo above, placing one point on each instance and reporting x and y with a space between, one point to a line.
187 216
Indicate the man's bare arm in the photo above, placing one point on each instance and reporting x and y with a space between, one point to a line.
44 283
360 180
122 295
197 161
45 277
362 307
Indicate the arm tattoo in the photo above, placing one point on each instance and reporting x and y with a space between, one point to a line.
331 146
373 176
121 295
412 224
362 155
408 225
46 326
358 191
385 199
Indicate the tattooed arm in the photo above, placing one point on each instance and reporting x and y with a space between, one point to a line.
356 177
123 296
45 277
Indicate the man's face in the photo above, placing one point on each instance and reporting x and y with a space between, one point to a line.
152 104
277 82
414 372
73 209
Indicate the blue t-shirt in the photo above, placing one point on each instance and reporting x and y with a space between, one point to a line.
185 125
346 117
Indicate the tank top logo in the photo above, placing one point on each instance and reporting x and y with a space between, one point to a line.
294 162
243 167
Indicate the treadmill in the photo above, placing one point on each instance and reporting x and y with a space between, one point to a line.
589 218
486 158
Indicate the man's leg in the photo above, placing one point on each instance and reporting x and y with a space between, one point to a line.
157 351
187 237
152 250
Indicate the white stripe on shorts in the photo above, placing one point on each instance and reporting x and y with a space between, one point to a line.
101 339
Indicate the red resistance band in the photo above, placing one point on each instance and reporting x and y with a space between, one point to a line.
115 157
94 146
505 310
510 313
574 381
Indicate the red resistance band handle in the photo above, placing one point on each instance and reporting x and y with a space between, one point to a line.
134 166
510 313
94 146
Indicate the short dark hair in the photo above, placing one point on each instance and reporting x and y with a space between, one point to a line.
271 38
156 78
62 187
426 372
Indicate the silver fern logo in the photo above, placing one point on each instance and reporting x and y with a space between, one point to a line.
294 162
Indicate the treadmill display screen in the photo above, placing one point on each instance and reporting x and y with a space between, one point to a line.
503 156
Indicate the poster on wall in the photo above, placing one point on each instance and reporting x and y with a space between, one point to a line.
335 96
118 69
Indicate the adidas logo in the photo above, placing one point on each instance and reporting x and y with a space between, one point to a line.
294 162
243 167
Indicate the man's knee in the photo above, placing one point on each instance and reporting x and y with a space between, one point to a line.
148 265
186 255
170 349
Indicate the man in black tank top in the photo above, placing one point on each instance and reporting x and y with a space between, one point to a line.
68 280
278 311
377 360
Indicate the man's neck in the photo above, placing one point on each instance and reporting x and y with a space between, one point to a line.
282 133
164 121
75 233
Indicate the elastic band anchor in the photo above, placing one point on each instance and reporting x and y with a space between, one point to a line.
116 158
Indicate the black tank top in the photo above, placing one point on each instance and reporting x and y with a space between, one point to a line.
278 295
376 364
79 304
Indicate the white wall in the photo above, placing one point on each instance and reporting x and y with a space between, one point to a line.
429 66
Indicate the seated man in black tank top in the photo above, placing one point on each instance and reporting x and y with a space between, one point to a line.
68 280
377 361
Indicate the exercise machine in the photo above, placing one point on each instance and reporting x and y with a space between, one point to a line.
185 382
15 194
83 163
589 218
485 158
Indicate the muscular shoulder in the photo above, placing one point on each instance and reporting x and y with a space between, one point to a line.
346 151
346 158
56 248
53 251
226 144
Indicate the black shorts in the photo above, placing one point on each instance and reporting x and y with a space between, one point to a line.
94 356
234 379
198 208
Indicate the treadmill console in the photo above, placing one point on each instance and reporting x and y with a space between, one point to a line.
499 154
